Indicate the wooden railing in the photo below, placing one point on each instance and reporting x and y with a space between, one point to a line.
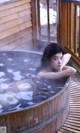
77 29
67 25
74 32
47 30
69 28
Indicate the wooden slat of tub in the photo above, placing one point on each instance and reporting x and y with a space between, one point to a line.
72 123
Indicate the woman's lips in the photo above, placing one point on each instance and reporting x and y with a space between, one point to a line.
59 65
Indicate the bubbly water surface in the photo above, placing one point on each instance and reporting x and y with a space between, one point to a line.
19 87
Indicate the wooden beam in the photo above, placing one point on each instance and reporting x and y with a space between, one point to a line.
34 28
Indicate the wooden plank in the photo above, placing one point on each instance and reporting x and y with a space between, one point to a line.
73 118
73 121
59 132
15 36
14 9
64 131
72 127
71 130
14 23
15 16
17 43
76 94
73 113
75 104
15 29
13 4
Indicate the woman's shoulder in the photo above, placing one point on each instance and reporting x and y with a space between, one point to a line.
39 69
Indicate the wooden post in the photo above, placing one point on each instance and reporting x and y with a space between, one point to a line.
38 19
62 23
48 20
79 30
34 28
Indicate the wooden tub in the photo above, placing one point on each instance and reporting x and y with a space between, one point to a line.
44 117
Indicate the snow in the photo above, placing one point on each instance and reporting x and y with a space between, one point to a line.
43 15
78 11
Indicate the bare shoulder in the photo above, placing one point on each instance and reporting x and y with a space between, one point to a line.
41 74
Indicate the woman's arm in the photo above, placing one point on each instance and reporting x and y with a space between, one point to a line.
68 71
65 59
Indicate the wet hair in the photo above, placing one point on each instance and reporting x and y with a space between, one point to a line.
49 51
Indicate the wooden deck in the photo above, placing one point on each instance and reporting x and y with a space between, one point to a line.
72 123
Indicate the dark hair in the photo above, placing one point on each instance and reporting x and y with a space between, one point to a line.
49 51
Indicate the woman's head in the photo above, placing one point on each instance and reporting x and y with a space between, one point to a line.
52 56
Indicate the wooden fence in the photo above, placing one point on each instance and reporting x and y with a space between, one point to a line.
15 24
69 28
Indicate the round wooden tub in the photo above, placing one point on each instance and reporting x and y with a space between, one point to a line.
43 117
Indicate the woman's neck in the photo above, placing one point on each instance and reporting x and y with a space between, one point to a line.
49 69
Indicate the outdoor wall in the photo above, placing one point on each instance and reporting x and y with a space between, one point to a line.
15 24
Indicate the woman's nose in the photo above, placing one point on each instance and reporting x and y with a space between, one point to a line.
59 61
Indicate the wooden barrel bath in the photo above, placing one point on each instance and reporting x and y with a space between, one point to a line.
46 116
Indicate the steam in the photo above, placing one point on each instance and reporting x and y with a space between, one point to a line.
1 1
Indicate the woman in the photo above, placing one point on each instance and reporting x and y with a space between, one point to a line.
53 63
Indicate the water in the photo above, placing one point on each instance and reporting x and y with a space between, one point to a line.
19 87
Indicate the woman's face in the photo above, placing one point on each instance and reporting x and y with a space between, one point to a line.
56 61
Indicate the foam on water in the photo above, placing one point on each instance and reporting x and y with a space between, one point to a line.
19 86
